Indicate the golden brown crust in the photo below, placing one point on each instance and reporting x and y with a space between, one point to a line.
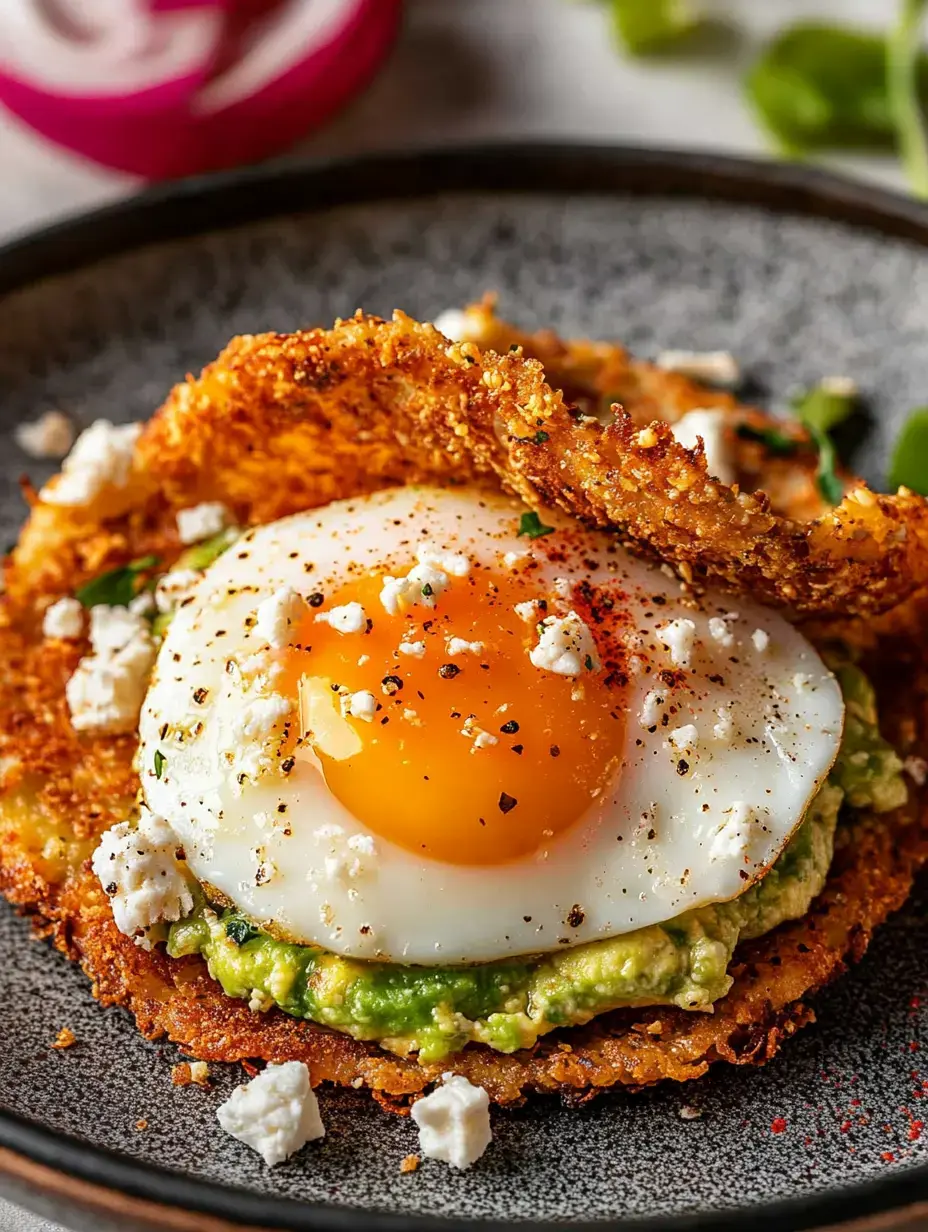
336 413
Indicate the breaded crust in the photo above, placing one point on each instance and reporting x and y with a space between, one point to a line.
336 413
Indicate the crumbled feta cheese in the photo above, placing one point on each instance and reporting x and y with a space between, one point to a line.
473 731
202 521
64 620
801 681
563 588
485 740
565 647
722 730
275 1114
527 611
453 324
276 616
761 640
415 650
917 770
458 646
455 564
734 836
143 604
260 1002
651 709
101 458
256 729
720 629
360 705
716 367
174 588
679 637
348 618
347 858
516 560
454 1122
50 436
106 691
708 426
422 584
138 869
684 737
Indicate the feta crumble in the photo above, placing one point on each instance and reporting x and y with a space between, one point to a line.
709 426
527 611
455 564
49 436
684 737
454 1122
254 735
723 729
348 618
106 691
415 650
202 521
651 709
458 646
276 615
453 324
422 584
275 1114
565 647
101 458
174 588
679 637
138 869
360 705
716 367
64 620
516 560
733 837
720 629
761 640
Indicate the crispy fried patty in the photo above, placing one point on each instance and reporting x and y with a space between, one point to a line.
336 413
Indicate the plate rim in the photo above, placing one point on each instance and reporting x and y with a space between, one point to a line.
199 205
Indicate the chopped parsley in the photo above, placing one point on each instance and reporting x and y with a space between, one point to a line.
531 525
118 587
160 762
774 441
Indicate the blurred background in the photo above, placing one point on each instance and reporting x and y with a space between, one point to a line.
99 96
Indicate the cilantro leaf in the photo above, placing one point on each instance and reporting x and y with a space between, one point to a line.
773 440
909 466
825 405
118 587
160 762
240 931
531 525
826 478
904 77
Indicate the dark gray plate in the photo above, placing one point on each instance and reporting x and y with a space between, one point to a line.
800 275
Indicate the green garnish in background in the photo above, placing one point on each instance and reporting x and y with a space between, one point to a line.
531 525
118 587
646 26
909 466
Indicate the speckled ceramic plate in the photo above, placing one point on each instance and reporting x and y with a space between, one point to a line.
800 275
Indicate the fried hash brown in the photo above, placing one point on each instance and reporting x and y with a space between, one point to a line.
336 413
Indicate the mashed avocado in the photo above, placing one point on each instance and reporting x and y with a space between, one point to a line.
508 1005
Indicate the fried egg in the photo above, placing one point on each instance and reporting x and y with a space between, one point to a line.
429 726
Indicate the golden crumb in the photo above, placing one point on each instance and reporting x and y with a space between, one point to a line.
141 1124
65 1038
190 1073
409 1163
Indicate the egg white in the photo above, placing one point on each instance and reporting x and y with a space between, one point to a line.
656 842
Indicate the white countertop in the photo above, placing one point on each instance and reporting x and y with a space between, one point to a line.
477 70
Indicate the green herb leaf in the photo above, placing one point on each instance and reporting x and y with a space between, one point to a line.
773 440
904 62
909 467
240 931
530 524
160 762
202 555
816 86
645 26
826 478
118 587
825 405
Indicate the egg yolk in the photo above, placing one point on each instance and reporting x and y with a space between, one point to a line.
475 757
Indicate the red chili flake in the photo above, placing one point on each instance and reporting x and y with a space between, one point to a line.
855 1103
915 1003
887 1157
845 1127
777 1125
915 1130
913 1045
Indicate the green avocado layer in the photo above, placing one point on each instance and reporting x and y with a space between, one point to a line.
508 1005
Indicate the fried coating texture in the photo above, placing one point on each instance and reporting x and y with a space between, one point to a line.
336 413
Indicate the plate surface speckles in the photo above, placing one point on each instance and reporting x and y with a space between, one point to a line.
795 298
